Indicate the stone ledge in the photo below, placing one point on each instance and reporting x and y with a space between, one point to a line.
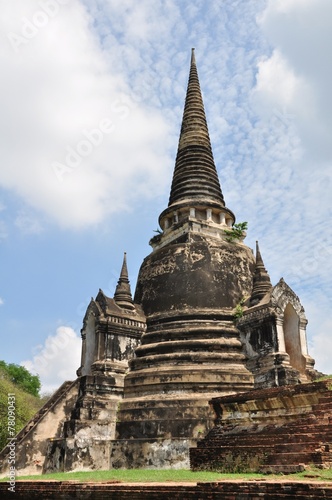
249 433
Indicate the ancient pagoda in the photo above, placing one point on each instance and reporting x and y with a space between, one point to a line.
205 322
188 288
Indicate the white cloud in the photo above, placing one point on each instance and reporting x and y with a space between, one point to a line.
1 302
276 81
301 32
27 223
55 90
57 360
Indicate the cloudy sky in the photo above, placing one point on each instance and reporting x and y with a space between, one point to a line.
92 93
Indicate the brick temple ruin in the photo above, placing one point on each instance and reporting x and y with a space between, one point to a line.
207 359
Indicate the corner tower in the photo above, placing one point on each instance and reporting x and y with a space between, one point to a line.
112 329
188 288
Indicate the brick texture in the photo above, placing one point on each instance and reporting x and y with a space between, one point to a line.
263 439
226 490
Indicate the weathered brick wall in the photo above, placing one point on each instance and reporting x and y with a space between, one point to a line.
276 429
57 490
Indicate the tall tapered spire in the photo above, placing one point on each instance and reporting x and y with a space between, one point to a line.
196 202
195 175
261 282
122 295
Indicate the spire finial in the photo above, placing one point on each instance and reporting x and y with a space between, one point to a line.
193 59
124 269
259 260
122 295
261 282
195 174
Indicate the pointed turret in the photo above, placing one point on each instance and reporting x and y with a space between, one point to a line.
195 185
122 296
261 281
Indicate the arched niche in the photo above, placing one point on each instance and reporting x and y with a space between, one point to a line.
292 338
291 325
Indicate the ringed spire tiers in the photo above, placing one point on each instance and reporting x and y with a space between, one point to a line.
195 174
261 280
195 183
122 295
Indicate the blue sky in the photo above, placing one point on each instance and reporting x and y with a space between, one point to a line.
92 94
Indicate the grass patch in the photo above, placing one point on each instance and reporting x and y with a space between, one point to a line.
141 476
175 475
313 473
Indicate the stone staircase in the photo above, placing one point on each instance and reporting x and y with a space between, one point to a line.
268 442
32 424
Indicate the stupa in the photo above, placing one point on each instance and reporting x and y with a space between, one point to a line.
205 322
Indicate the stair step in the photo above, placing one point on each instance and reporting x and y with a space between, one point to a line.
314 437
38 416
289 458
287 442
281 469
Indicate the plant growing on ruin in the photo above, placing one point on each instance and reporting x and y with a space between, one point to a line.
236 232
156 238
238 312
200 431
